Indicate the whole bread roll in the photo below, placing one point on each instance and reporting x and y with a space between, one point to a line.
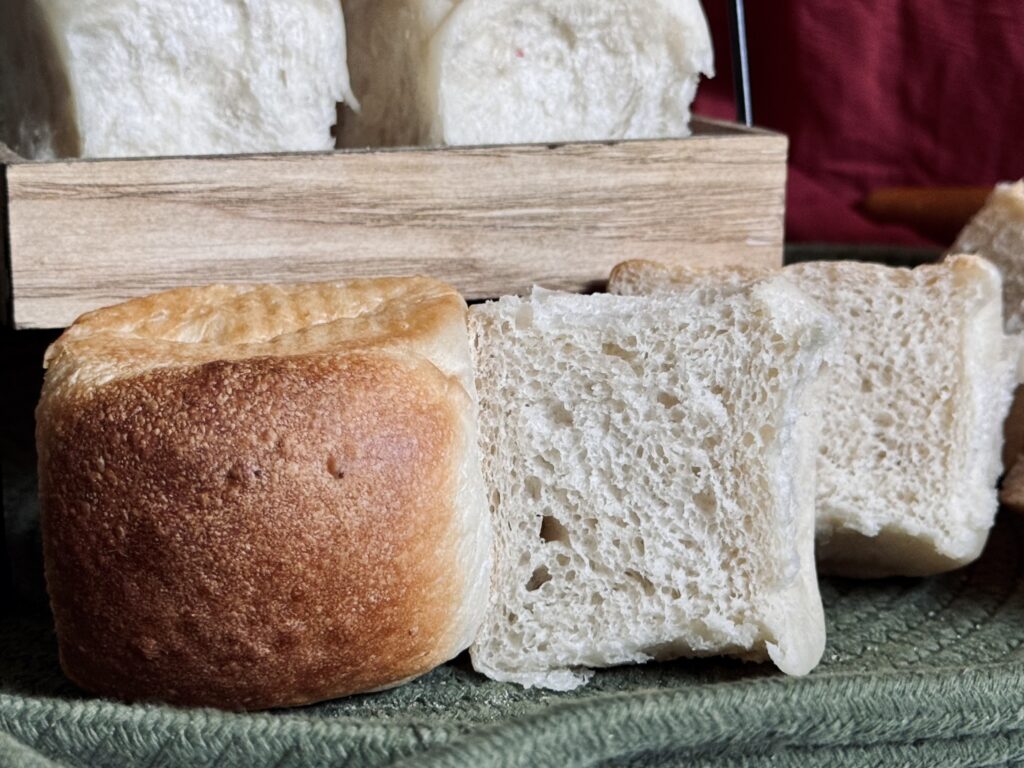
997 234
259 497
914 406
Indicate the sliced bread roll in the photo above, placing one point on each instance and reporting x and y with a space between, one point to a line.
263 497
651 473
911 429
997 233
518 71
115 78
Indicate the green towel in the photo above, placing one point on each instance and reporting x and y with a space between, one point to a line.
916 672
923 672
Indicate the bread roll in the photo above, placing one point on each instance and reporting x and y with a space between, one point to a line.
997 233
114 78
912 425
651 468
520 71
263 497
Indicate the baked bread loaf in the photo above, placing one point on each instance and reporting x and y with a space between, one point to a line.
265 496
912 425
519 71
114 78
997 233
651 473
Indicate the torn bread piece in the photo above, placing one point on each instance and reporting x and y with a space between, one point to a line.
912 424
472 72
650 465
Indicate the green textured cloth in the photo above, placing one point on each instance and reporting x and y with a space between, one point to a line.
925 672
917 672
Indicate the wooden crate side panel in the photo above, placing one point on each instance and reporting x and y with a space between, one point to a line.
6 305
490 220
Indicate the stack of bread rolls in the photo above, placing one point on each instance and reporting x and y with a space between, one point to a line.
129 78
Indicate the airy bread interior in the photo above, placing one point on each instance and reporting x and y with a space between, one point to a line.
650 468
140 77
485 72
911 427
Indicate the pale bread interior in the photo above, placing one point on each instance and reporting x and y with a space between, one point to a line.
650 470
911 429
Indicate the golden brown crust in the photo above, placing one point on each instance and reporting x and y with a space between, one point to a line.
252 532
215 535
625 274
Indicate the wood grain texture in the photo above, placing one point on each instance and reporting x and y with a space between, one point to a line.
490 220
6 309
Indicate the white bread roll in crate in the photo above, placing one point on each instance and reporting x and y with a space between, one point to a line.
122 78
473 72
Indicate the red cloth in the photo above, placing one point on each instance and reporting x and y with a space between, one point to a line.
876 93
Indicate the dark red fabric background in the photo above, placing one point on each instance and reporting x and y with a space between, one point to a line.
876 93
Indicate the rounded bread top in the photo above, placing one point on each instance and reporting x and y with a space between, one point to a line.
192 326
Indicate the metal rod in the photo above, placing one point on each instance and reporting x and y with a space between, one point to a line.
740 61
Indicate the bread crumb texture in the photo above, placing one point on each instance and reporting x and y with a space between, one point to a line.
640 457
912 422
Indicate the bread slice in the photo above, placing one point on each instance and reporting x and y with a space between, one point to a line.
116 78
651 473
264 496
911 430
997 233
519 71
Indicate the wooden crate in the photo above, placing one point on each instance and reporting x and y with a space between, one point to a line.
86 233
